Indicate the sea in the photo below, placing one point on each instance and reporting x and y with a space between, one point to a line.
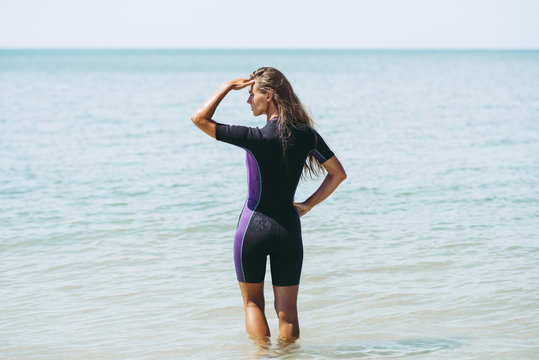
117 214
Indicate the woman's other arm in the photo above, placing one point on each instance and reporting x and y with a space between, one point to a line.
335 176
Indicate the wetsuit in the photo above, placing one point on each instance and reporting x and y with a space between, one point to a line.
269 223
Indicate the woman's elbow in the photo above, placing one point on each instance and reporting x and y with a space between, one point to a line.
198 117
340 176
195 118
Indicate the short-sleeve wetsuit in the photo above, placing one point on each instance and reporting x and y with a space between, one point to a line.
269 222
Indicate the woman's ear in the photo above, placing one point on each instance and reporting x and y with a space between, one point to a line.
269 97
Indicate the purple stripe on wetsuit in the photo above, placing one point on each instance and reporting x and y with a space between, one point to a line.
319 156
254 191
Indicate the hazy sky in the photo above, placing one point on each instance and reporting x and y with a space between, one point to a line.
269 24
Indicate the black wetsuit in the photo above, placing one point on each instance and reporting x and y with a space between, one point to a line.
269 223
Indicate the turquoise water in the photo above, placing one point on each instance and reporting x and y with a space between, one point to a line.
118 214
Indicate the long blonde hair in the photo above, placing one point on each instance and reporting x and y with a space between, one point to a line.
292 113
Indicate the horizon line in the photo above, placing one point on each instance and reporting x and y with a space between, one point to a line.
274 48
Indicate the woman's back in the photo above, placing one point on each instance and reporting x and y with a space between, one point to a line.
271 178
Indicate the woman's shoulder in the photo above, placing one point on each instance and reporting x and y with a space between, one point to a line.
304 136
305 132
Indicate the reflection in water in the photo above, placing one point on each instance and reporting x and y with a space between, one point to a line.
267 350
264 343
290 349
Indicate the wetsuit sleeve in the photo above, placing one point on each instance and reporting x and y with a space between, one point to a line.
243 136
321 151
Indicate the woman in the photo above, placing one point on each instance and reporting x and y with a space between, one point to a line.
269 224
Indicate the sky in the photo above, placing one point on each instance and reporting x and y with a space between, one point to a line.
357 24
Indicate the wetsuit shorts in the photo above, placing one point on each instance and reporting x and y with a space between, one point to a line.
259 235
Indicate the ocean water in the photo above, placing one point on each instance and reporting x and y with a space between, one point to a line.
118 215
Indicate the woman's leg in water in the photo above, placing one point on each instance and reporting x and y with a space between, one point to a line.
253 301
286 298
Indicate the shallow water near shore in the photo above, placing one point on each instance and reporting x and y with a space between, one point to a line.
118 215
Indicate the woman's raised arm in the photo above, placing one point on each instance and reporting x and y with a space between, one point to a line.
202 116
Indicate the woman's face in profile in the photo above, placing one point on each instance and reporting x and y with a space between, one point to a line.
257 100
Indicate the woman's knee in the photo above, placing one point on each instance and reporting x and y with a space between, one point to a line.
287 315
286 312
254 303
